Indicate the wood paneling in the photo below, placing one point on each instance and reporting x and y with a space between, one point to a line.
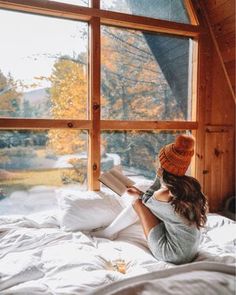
225 26
221 16
221 12
212 4
215 150
219 152
222 108
218 166
230 67
226 41
228 54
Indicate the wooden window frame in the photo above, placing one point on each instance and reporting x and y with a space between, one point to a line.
94 125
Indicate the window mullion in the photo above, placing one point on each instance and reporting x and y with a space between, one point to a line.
148 125
30 123
94 156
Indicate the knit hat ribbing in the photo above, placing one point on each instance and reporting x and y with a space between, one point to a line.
176 157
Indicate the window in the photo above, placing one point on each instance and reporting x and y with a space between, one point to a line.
135 151
82 90
146 76
171 10
47 76
30 160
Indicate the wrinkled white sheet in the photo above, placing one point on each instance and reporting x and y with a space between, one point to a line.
37 257
196 279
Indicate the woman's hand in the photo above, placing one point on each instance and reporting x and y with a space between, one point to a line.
134 191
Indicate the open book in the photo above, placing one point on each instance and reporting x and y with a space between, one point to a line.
116 180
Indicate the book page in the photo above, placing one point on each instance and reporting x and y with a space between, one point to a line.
113 183
121 177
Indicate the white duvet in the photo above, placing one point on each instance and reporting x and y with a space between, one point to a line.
197 278
38 257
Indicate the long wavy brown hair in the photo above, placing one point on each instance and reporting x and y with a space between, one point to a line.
188 199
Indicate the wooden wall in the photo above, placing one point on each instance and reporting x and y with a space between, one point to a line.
221 15
215 165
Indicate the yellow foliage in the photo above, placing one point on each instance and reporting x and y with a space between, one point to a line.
131 74
69 90
9 97
69 100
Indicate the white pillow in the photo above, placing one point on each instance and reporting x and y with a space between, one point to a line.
86 210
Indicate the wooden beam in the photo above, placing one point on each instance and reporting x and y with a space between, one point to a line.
22 123
19 123
10 123
95 80
204 67
191 12
49 8
202 5
147 125
194 79
111 18
194 71
148 24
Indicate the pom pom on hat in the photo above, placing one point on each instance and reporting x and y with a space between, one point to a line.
175 158
184 143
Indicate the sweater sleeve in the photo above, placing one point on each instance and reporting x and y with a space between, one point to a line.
150 191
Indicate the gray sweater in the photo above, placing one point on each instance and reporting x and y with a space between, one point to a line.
173 240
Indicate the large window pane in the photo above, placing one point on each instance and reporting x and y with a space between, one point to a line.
135 151
145 76
35 163
171 10
43 67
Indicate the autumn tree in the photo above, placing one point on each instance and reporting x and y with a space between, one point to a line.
134 88
9 97
68 95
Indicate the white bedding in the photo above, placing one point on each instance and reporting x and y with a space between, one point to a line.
191 279
38 257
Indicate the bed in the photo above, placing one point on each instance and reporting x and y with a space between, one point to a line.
40 255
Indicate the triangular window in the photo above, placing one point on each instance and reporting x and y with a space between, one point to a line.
171 10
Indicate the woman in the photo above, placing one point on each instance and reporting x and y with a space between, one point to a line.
173 213
172 210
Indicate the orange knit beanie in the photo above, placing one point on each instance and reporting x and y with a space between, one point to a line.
176 157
